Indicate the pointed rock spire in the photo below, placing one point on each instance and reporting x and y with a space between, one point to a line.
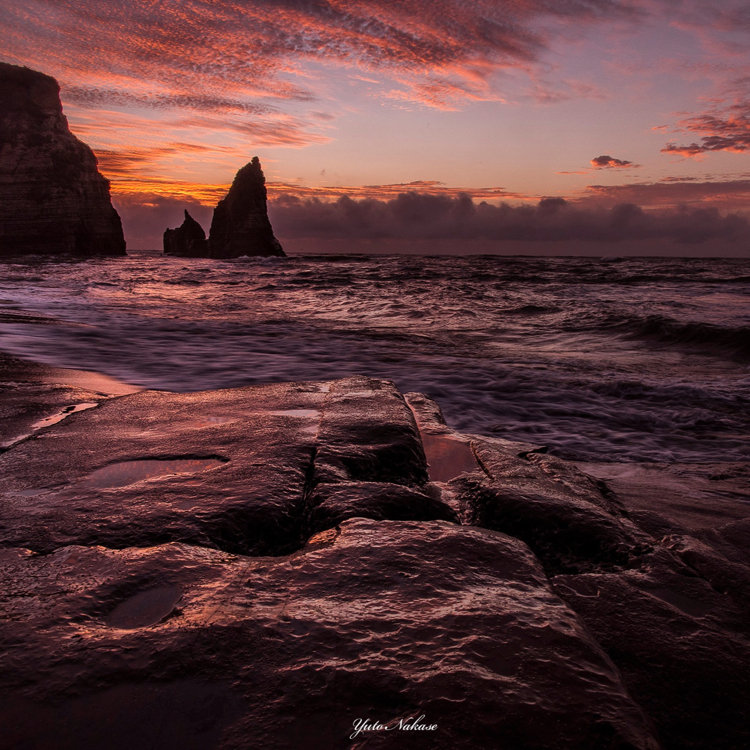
240 224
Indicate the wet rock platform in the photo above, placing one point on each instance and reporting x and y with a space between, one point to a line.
268 566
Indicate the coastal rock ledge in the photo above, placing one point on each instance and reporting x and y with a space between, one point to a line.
271 566
53 200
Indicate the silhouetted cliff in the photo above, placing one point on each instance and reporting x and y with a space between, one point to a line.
53 199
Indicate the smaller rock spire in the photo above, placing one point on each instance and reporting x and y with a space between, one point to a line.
187 241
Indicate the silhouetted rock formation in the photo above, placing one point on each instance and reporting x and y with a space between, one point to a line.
240 224
187 241
52 198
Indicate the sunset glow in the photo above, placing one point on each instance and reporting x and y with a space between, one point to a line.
599 102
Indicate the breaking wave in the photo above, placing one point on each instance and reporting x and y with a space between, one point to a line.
706 338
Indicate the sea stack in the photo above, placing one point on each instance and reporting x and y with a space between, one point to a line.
187 241
53 200
240 224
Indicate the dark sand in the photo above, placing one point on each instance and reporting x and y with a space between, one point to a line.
34 396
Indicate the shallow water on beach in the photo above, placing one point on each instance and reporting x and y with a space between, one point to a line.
599 359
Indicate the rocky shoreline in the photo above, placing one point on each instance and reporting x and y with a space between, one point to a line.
268 565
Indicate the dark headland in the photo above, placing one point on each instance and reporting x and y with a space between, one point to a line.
53 200
264 566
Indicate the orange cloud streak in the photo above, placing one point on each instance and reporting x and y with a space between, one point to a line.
670 193
147 189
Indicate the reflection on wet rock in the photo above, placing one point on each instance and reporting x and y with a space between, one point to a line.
123 473
144 608
265 566
388 619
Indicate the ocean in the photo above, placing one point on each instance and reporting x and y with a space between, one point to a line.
609 359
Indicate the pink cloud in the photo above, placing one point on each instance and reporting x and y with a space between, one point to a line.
670 193
185 52
605 161
609 162
723 130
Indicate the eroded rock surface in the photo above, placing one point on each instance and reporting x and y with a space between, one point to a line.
53 200
252 503
240 224
676 621
385 620
263 566
187 241
672 612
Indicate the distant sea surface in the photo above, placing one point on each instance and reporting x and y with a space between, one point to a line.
599 359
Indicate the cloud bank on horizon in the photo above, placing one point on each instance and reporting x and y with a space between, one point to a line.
174 97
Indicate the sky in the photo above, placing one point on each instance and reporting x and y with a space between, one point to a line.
549 126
